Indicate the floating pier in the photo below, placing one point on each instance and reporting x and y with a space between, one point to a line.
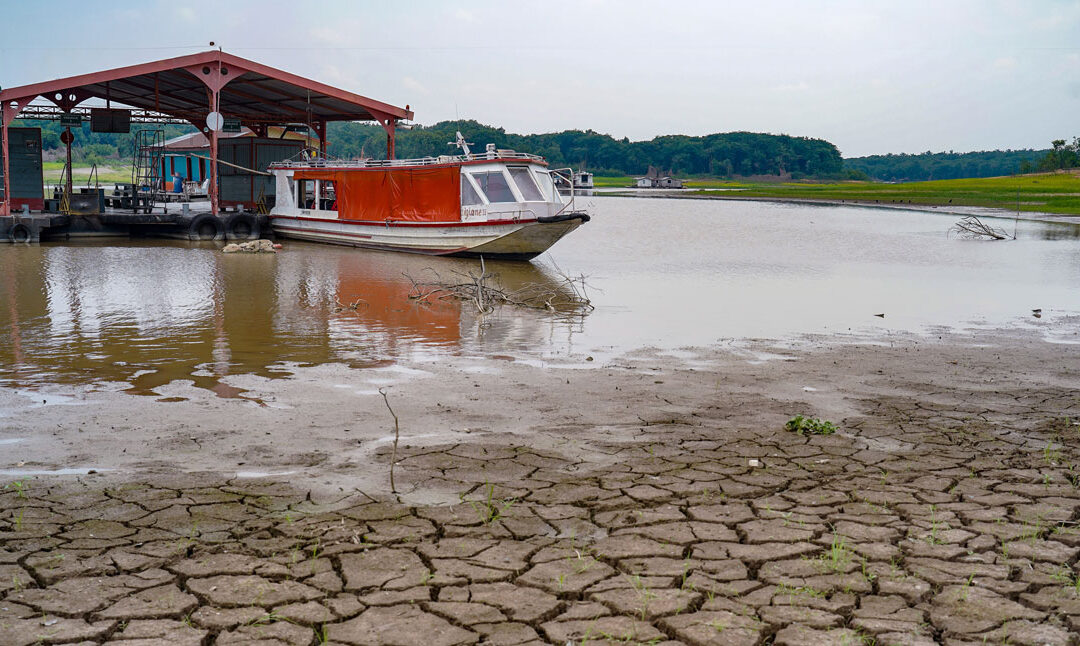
174 222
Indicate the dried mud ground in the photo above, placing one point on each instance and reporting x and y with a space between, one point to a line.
656 500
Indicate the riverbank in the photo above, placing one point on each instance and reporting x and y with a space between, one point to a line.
1049 193
654 498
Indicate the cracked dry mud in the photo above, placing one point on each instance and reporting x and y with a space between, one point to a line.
936 515
944 511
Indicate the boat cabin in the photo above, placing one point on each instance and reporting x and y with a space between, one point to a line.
495 185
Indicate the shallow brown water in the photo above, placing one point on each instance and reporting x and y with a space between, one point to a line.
663 272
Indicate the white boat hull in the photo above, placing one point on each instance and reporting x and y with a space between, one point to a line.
509 239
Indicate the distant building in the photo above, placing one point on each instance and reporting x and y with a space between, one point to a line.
654 179
188 156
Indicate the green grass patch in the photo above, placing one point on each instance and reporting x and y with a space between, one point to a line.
109 172
1047 193
717 183
810 426
612 182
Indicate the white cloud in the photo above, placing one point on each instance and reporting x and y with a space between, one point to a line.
412 84
334 36
801 86
869 76
1004 64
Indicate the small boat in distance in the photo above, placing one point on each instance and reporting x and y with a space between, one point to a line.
583 181
496 204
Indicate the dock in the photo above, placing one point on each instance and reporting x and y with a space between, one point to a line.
182 223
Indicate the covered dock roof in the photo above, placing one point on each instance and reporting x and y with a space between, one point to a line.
190 88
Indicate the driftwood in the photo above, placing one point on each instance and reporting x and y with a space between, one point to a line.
566 296
972 228
353 306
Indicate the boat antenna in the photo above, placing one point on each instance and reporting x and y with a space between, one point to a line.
461 143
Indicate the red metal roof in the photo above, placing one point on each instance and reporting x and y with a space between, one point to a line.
254 93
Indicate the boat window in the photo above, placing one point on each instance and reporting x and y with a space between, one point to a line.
305 193
469 196
328 196
494 185
523 179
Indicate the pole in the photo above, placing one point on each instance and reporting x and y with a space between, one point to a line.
67 185
390 139
5 207
213 161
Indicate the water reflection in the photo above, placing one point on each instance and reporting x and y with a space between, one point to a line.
148 314
1058 231
668 273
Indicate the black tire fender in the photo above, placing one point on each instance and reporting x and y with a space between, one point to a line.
19 233
242 226
206 227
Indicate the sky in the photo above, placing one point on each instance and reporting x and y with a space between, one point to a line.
872 77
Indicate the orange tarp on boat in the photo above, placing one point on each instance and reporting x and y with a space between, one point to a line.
411 194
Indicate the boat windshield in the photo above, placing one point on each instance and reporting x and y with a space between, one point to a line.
548 187
469 196
523 179
494 185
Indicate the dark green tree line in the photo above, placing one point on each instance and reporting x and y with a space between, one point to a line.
722 154
945 165
1061 155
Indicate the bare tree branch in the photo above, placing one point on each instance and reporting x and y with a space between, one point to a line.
393 455
972 228
569 295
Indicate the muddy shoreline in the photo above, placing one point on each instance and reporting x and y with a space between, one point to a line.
325 426
653 499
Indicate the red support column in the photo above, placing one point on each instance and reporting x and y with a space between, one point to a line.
8 111
214 75
5 206
212 190
389 124
67 148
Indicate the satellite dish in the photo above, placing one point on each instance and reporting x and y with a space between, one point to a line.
215 121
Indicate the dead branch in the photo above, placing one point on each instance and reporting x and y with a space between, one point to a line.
422 292
569 295
393 455
354 306
480 288
972 228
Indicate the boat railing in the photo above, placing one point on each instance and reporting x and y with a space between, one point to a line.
566 174
500 155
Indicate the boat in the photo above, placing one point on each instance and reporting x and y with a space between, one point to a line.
582 181
496 204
